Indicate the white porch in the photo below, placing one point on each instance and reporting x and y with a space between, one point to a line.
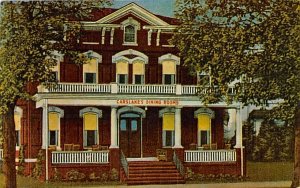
208 156
80 157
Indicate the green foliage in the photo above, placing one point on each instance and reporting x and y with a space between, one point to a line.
39 165
21 160
74 175
273 143
256 42
31 32
249 136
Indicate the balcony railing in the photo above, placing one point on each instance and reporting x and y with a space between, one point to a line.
86 157
124 89
210 156
1 154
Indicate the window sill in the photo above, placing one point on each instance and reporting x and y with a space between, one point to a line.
130 44
167 147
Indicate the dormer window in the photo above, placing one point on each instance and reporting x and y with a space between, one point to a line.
129 34
130 27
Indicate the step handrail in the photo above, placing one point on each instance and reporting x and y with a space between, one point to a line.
124 164
178 164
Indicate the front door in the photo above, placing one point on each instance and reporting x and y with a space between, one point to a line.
130 134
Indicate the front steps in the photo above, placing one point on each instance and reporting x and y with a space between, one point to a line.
153 172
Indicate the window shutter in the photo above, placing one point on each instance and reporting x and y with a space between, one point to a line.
53 121
122 67
203 122
168 121
169 67
17 119
90 121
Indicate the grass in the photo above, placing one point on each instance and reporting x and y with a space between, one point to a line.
256 171
270 171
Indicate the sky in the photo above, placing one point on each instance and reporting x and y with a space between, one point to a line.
160 7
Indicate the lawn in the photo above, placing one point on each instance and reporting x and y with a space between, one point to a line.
256 171
270 171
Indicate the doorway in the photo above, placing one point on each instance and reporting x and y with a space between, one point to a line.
130 134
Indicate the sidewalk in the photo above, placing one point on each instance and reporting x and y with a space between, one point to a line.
277 184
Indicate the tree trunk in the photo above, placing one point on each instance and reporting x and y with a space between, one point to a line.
296 179
9 148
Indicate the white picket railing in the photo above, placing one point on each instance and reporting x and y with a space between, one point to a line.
126 88
76 87
210 156
148 89
68 157
1 154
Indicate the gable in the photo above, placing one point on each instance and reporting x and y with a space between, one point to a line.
135 10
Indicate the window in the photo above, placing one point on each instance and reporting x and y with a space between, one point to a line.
169 79
90 77
90 135
204 129
17 119
169 72
18 140
133 125
129 34
122 78
138 70
122 72
90 69
53 138
123 125
168 129
203 79
54 125
54 75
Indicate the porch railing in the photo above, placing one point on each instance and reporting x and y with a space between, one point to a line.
124 164
210 156
150 89
178 164
69 157
125 88
1 154
72 87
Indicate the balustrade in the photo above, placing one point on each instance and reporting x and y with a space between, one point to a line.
126 89
210 156
68 157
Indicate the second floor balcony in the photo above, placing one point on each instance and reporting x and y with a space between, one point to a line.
115 88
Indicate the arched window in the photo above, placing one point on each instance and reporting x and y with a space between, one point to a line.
129 34
169 63
18 112
138 71
122 72
54 116
168 126
204 116
90 69
90 117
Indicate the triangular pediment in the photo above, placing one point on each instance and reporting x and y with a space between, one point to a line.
135 10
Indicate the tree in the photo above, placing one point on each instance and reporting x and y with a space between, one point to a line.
256 42
30 33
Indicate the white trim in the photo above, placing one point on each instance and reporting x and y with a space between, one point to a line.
91 43
121 54
206 111
135 10
92 110
168 57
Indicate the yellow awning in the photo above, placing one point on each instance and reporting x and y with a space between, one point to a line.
90 121
169 67
53 121
91 66
122 67
168 121
17 119
203 122
138 68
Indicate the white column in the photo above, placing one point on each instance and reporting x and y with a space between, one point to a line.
114 128
239 129
177 128
45 125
